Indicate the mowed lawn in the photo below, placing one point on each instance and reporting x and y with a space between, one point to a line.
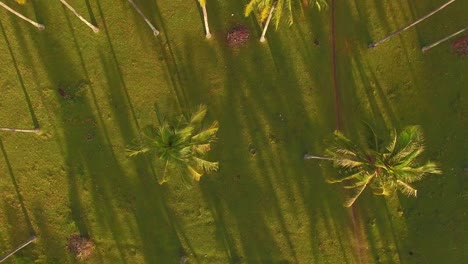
274 102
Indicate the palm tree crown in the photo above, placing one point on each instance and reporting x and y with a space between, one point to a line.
179 148
384 168
264 6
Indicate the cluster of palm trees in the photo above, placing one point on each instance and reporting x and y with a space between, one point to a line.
179 146
274 9
266 9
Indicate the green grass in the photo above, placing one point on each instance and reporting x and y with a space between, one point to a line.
276 97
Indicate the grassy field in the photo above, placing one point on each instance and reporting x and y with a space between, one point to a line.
275 97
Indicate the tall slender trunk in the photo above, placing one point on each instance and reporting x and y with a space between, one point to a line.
428 47
34 23
31 239
155 31
205 19
265 28
375 44
36 131
94 28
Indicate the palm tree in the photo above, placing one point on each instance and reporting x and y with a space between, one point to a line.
269 9
375 44
35 131
383 169
179 147
34 23
428 47
155 31
11 253
205 17
67 5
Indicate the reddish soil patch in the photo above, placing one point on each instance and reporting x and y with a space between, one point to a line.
460 46
238 36
81 247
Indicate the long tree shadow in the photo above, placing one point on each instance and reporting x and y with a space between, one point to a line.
147 213
20 79
379 238
95 171
117 93
17 233
248 105
29 230
48 237
21 222
392 97
161 48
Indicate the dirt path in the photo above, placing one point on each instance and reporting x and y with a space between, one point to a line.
358 241
339 120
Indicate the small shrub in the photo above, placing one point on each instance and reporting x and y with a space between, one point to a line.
81 247
460 46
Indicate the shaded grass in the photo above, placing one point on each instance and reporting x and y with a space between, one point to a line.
276 98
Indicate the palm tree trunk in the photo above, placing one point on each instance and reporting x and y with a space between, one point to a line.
36 131
205 19
428 47
270 15
34 23
31 239
94 28
372 45
155 31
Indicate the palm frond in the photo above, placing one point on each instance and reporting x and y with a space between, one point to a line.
278 13
407 189
264 13
391 147
202 2
201 149
359 191
133 152
341 141
351 177
346 152
349 202
408 153
320 4
291 18
207 135
347 163
355 185
413 174
195 174
249 8
204 165
198 117
409 140
281 7
165 176
407 160
378 191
